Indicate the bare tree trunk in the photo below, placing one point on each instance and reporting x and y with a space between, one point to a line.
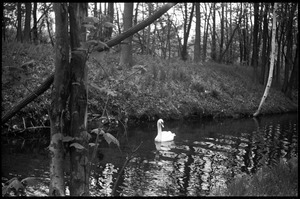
110 12
206 34
126 52
49 32
289 47
231 38
4 19
19 19
197 57
149 30
79 158
279 54
184 53
34 29
27 22
254 61
95 9
60 94
264 55
222 31
267 89
213 36
294 81
80 169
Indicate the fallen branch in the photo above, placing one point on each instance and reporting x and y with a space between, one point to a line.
37 92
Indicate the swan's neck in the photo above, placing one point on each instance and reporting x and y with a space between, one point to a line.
158 128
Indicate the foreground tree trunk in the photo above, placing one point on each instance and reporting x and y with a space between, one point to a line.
60 94
80 171
267 89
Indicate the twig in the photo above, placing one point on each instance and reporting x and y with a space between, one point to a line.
128 158
38 127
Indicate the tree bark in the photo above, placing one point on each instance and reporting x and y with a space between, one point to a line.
293 82
59 96
231 38
126 52
197 56
110 13
264 55
222 31
27 22
184 53
267 89
95 9
213 37
34 29
206 34
149 30
254 61
19 19
289 51
80 170
49 32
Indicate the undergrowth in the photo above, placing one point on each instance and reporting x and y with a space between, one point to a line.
154 88
280 179
174 89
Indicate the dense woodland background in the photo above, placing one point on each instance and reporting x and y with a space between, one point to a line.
222 32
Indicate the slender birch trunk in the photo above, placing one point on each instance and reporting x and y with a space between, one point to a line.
267 89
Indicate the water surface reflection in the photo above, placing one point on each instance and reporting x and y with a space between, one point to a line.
203 156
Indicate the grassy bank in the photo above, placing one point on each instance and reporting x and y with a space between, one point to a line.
276 180
152 89
173 89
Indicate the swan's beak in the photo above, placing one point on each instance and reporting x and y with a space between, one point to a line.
162 124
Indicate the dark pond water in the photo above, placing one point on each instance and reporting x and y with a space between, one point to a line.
204 156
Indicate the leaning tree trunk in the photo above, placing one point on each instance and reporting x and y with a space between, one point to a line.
60 94
267 89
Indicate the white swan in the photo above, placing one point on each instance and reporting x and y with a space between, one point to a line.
163 136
